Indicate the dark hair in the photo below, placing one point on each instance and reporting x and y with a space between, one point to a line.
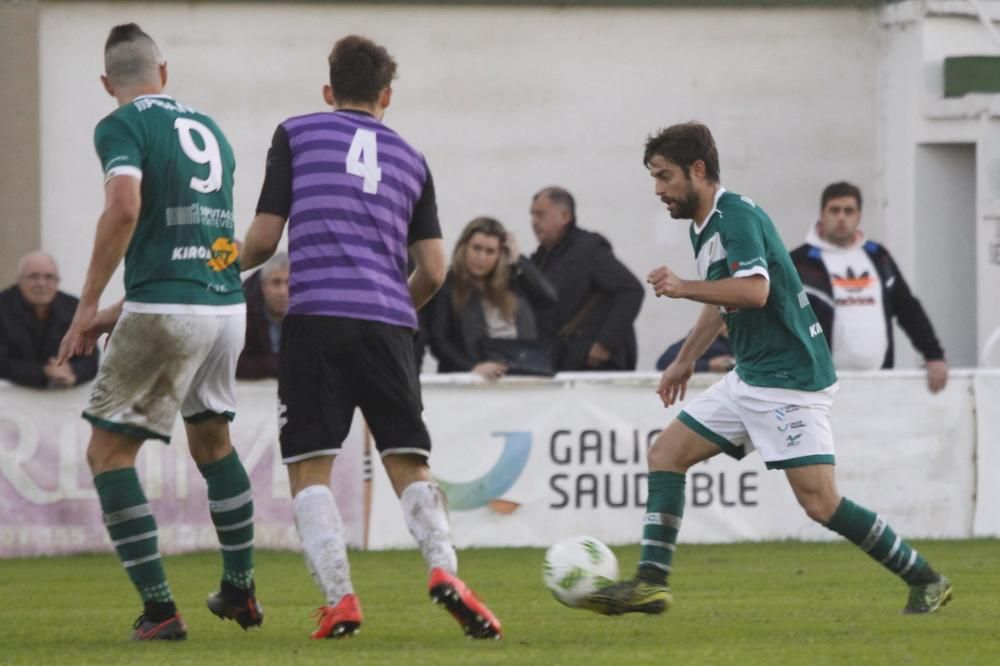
360 70
561 197
126 32
837 190
684 144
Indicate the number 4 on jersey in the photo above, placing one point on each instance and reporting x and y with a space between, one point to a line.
362 159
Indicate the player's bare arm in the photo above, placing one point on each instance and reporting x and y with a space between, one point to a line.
262 240
431 269
673 382
749 292
122 202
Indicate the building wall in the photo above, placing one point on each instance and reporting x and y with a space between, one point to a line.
20 224
503 101
915 114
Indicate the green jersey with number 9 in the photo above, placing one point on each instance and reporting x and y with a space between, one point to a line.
182 254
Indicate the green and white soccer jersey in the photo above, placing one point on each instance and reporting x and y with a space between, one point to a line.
780 345
182 256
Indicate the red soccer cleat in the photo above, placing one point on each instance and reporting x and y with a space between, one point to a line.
340 621
475 618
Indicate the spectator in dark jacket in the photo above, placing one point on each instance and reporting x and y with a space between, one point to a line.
34 316
267 302
591 326
483 297
717 358
856 290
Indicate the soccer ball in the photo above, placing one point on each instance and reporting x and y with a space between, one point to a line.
576 567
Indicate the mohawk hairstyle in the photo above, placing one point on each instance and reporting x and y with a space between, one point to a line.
126 32
131 56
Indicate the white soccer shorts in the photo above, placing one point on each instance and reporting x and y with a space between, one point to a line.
790 428
158 364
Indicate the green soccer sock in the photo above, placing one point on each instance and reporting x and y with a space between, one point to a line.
664 510
872 534
230 501
132 529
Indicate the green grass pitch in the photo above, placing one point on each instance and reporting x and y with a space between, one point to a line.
770 603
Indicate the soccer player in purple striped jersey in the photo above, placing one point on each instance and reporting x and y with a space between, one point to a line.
358 201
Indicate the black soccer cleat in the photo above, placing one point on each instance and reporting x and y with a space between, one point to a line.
236 604
171 629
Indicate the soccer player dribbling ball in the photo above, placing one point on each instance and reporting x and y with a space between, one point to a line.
168 184
777 399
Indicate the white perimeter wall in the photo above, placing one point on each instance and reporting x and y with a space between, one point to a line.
546 460
918 38
503 101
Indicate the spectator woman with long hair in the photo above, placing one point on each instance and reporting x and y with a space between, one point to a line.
482 298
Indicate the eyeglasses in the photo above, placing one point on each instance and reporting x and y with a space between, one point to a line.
41 277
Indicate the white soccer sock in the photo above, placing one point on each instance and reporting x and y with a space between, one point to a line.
427 519
322 534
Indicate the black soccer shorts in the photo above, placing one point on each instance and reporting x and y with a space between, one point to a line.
327 367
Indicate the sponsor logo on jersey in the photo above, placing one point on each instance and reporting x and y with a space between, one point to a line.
756 261
190 252
144 103
815 329
219 257
224 253
199 214
115 160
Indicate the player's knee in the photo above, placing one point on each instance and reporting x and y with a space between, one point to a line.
106 453
95 460
309 472
665 456
205 452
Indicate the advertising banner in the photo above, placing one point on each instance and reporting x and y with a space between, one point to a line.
530 464
526 462
48 505
987 520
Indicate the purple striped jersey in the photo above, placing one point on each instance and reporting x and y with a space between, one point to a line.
354 186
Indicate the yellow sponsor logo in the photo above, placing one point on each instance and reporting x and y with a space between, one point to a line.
224 253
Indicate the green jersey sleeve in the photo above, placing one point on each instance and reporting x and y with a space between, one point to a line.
743 238
119 147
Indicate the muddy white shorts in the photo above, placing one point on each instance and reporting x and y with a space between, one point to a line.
158 364
790 428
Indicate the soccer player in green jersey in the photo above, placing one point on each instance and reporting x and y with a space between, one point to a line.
168 179
778 398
